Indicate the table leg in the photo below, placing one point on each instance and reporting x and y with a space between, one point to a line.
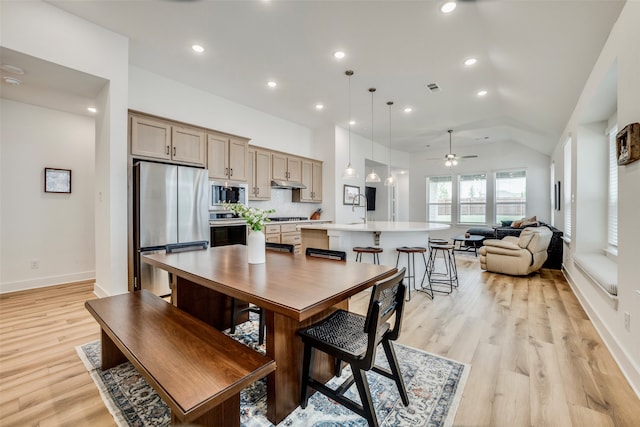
286 348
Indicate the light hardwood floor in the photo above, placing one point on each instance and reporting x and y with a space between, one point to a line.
536 358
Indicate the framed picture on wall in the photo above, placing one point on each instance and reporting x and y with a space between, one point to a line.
57 180
350 193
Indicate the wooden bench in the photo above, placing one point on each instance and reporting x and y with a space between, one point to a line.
196 369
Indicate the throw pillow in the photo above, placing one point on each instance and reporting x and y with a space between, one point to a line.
506 223
516 224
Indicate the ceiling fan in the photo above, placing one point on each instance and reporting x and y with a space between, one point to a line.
451 159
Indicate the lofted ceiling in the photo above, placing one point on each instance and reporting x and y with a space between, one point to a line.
533 59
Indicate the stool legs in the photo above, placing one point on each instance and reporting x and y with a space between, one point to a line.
374 255
450 274
411 273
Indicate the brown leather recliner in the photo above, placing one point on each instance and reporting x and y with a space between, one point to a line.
517 256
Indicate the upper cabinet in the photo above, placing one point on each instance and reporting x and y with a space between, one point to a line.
161 140
312 179
228 157
285 167
259 174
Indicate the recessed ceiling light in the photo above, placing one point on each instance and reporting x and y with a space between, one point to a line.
92 109
470 61
272 83
12 69
352 122
482 92
339 54
12 81
197 48
448 7
408 109
319 106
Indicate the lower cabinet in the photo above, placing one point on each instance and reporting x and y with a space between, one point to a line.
284 233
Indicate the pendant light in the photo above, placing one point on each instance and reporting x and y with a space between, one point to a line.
450 158
389 182
350 172
373 176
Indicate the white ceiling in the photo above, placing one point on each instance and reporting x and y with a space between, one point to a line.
533 59
48 85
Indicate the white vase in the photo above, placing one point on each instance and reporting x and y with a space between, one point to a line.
255 247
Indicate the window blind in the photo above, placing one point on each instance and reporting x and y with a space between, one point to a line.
440 195
566 192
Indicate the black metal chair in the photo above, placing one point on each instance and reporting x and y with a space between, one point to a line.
326 253
354 339
235 312
279 247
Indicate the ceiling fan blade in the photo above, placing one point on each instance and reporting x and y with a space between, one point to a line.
470 156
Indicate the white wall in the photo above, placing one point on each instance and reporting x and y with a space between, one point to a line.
54 230
154 94
491 158
361 154
43 31
620 48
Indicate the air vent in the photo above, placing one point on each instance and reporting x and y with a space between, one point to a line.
433 87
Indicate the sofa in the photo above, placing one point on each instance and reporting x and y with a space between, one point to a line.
516 256
554 251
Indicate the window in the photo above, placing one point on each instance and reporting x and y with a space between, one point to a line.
612 208
472 198
440 196
566 191
511 195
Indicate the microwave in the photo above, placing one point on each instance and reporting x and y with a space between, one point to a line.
226 192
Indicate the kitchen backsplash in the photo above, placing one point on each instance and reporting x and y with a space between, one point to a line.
281 202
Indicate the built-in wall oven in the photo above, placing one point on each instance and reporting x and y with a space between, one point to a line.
226 192
223 233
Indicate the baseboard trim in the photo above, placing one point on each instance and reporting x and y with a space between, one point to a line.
625 363
43 282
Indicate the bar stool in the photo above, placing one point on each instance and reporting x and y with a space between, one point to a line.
411 269
374 251
449 276
435 241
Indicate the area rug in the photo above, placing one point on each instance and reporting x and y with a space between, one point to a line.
434 384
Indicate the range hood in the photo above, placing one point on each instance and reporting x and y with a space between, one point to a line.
279 183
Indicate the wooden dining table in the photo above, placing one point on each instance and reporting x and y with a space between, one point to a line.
293 289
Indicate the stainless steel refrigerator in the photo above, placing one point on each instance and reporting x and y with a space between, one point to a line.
171 213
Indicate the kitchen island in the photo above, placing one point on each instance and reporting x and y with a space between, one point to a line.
385 234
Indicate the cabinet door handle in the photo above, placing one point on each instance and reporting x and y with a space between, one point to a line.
174 151
231 172
167 150
226 171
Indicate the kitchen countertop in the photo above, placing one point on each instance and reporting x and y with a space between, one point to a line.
379 226
240 221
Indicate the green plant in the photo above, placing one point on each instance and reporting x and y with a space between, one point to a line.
256 218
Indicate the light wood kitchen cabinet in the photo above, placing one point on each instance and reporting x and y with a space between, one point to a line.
188 145
161 140
286 168
228 157
259 174
272 233
312 179
289 234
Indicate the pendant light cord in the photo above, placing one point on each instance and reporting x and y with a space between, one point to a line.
349 73
372 90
